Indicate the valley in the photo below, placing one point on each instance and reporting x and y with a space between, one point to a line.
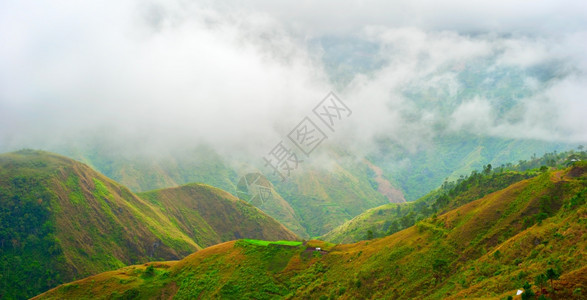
349 149
487 248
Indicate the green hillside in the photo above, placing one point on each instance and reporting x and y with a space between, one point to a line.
210 216
320 198
60 220
256 189
391 218
324 199
314 201
488 248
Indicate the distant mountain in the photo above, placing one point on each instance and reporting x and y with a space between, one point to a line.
319 198
326 198
488 248
448 156
142 173
256 189
61 220
312 202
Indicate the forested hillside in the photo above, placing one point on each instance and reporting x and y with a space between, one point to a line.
528 236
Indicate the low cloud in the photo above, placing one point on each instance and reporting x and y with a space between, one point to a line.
153 77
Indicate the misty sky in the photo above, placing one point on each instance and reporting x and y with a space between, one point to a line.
155 75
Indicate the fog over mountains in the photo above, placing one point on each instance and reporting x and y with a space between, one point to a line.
463 128
152 78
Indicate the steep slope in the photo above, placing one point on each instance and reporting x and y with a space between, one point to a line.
256 189
390 218
320 201
60 220
325 198
487 248
311 203
385 187
210 216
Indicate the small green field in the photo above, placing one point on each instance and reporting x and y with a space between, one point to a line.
265 243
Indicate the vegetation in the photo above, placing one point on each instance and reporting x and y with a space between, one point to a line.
267 243
316 200
390 218
482 249
326 198
418 172
60 221
31 256
274 205
311 203
210 216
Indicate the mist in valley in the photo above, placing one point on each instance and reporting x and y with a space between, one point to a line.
157 80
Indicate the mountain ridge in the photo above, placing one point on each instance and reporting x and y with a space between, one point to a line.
487 248
61 220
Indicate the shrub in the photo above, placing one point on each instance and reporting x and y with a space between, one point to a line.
149 271
540 280
552 274
528 293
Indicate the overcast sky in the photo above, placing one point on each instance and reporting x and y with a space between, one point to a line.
238 75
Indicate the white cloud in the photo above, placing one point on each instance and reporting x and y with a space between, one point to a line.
153 76
473 116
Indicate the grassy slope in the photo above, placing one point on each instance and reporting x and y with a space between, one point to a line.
90 223
210 215
319 199
356 229
61 220
276 206
378 220
390 218
324 199
311 203
487 248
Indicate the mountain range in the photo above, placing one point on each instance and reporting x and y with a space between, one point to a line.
61 220
487 248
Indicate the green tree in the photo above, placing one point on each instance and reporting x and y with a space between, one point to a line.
487 169
439 268
552 274
149 271
407 220
497 255
540 280
393 227
528 293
